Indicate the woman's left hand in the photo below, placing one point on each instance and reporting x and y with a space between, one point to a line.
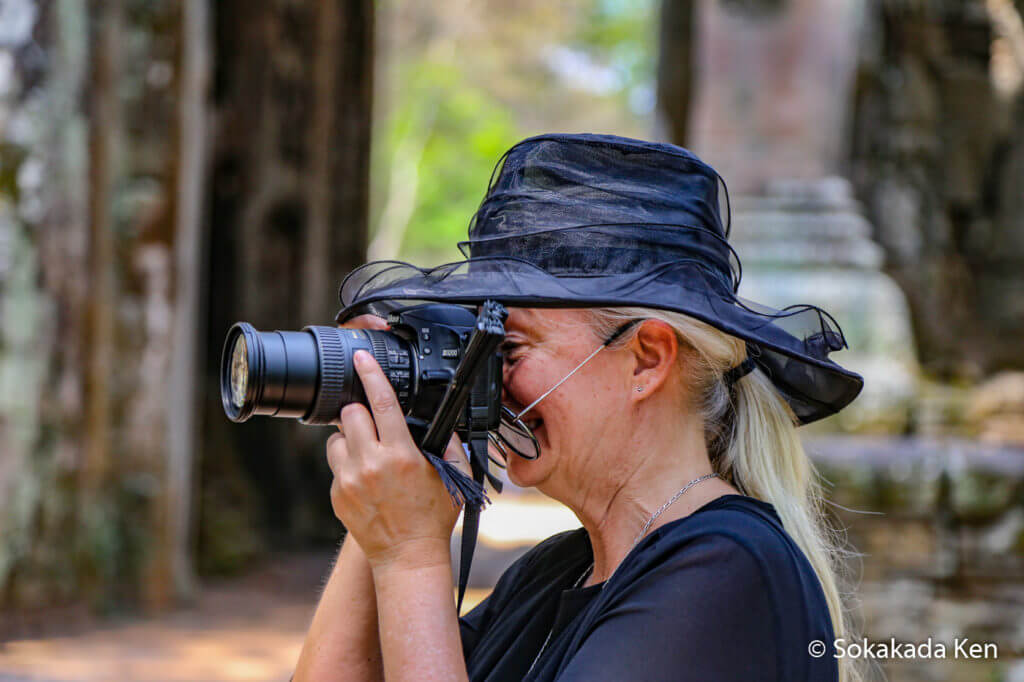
385 491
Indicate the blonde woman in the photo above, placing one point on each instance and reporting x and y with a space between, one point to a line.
663 411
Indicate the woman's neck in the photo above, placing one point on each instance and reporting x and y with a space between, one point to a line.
643 474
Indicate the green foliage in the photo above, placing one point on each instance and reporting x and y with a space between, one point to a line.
622 31
462 131
457 161
458 99
621 35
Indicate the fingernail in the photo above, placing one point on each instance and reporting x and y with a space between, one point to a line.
360 358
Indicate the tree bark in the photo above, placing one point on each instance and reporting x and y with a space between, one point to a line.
290 192
123 267
105 125
935 155
183 445
675 69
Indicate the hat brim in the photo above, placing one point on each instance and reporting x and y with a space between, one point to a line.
790 345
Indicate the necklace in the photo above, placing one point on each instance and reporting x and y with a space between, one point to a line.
643 532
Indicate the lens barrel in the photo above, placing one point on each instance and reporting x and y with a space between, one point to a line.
306 375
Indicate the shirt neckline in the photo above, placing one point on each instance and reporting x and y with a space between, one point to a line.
661 530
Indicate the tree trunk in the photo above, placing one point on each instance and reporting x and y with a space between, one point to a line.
937 157
114 267
675 69
291 175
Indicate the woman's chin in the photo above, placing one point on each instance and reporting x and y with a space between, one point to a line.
513 470
527 473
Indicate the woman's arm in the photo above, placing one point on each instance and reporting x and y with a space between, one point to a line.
393 502
342 642
419 629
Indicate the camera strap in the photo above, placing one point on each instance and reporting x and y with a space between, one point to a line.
469 491
471 513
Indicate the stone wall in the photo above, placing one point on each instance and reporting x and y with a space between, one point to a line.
940 527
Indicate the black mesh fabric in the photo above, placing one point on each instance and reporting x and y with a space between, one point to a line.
587 220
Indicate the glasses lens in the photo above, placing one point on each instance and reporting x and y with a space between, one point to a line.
516 437
496 451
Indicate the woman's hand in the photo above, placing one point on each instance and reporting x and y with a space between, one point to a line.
386 493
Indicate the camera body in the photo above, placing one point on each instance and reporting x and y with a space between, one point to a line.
309 375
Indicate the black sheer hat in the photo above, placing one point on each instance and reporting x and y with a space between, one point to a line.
577 221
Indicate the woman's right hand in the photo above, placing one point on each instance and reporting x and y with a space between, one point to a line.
343 642
367 321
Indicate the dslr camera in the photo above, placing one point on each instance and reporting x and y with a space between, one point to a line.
442 360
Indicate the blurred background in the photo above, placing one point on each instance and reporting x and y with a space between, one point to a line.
170 167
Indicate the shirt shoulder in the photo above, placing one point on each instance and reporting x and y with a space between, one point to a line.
739 522
724 593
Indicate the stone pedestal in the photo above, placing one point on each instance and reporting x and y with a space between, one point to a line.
772 87
807 242
773 97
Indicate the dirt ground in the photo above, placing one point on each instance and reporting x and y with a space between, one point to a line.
246 629
250 629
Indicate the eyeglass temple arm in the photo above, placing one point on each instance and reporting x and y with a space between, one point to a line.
618 332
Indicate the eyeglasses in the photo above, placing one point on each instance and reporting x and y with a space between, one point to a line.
513 436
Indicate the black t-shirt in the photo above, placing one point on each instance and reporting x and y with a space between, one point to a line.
722 594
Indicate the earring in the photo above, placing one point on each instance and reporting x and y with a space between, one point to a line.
639 389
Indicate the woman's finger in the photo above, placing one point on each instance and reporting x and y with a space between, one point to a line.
359 429
366 322
387 413
337 451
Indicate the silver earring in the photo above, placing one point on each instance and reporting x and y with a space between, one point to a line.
639 389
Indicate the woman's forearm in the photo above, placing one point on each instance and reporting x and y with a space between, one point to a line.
419 628
342 642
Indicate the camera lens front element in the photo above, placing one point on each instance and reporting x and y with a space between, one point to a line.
239 372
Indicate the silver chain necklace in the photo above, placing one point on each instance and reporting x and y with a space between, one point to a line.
643 532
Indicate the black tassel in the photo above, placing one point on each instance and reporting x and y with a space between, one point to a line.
462 488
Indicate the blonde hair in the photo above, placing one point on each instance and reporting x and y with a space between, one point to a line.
754 445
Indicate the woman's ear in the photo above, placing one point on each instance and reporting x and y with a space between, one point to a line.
656 349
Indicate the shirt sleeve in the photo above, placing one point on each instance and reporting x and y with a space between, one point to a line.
474 624
702 615
535 567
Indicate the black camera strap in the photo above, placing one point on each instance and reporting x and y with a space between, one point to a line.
471 513
469 491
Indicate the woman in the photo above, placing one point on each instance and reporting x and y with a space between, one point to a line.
664 408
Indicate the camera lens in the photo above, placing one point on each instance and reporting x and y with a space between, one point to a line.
306 375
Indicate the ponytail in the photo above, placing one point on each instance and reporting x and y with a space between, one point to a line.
752 442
